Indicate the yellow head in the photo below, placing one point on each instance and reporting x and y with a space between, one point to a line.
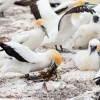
78 3
55 56
98 47
39 22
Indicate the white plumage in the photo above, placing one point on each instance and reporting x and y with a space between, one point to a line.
33 38
86 32
88 59
58 37
66 29
77 18
48 14
35 61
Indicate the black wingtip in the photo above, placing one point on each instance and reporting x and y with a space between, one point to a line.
78 9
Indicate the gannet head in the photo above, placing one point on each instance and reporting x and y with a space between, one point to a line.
93 45
40 23
55 58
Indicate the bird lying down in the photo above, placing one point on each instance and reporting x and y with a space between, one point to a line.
24 60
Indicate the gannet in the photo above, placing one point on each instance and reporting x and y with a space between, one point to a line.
88 59
32 38
86 32
65 28
24 60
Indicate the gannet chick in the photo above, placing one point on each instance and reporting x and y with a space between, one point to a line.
88 59
65 28
97 77
33 38
4 5
24 60
86 32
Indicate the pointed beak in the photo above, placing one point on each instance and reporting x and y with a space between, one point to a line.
44 29
93 48
54 67
89 5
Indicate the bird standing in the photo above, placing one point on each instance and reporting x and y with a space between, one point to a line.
33 38
47 13
65 28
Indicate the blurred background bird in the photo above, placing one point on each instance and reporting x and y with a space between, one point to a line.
4 5
88 59
65 28
86 32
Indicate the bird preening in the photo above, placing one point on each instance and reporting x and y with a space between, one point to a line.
23 60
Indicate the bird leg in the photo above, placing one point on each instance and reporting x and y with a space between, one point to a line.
61 49
56 47
2 14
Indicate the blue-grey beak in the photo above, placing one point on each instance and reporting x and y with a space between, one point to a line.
45 30
54 67
93 48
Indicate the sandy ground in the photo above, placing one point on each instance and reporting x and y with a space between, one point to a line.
73 84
